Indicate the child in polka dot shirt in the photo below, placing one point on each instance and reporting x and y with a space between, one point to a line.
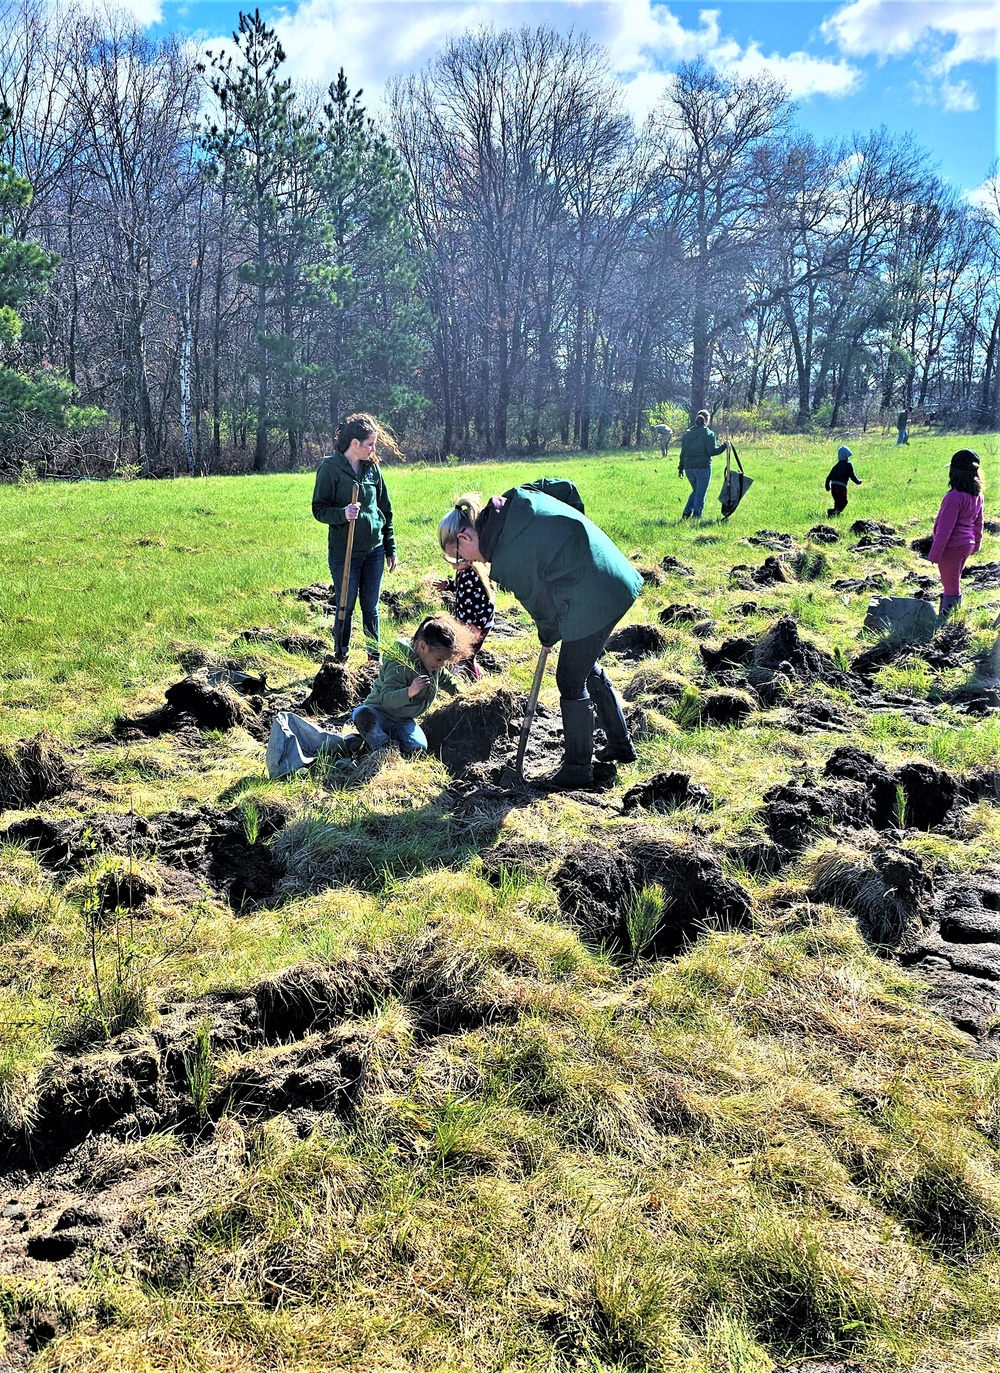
472 605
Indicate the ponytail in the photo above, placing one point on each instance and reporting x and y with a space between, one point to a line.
462 516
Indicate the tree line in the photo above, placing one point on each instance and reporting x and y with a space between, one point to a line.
227 262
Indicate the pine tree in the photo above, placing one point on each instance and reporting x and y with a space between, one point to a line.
42 400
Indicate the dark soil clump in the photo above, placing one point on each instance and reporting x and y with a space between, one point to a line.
794 812
959 954
637 641
294 641
859 586
983 576
744 608
671 564
771 538
922 546
596 887
530 856
824 533
727 706
666 791
730 653
870 528
465 730
210 844
815 713
337 688
679 614
855 765
929 792
782 648
319 596
33 770
211 705
771 571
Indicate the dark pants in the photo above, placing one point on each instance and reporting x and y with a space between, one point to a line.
579 679
577 659
364 583
838 494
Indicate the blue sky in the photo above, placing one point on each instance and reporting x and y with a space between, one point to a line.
926 67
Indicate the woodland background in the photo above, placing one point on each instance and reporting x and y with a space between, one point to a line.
205 266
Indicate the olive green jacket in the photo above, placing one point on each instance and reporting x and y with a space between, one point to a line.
568 575
390 689
698 448
334 484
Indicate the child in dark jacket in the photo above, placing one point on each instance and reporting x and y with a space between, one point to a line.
840 474
408 682
472 605
958 529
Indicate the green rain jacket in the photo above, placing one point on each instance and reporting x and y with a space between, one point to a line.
698 448
389 690
568 575
332 492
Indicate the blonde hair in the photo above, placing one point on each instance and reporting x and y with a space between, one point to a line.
462 516
365 426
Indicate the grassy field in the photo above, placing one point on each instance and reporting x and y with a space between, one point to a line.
103 586
409 1113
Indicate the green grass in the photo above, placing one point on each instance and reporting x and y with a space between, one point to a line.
103 586
764 1150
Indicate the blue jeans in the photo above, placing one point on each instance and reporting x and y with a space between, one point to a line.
902 436
381 730
700 479
364 582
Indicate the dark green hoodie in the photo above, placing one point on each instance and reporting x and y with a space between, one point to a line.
568 575
332 492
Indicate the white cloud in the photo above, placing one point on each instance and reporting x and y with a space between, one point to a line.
803 74
943 34
375 40
144 12
987 195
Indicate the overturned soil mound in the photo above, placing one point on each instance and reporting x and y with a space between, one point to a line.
319 596
337 688
885 888
824 533
514 856
681 614
213 705
983 576
671 564
598 887
859 586
638 641
727 706
33 770
959 953
209 844
293 641
666 791
730 653
873 529
858 793
466 729
771 538
782 647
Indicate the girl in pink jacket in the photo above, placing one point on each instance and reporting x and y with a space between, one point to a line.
958 529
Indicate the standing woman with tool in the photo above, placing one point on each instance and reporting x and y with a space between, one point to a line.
576 585
350 497
698 448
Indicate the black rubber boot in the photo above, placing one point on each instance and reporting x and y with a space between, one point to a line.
947 604
578 747
611 718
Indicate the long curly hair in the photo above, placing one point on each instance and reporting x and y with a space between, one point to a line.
364 426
